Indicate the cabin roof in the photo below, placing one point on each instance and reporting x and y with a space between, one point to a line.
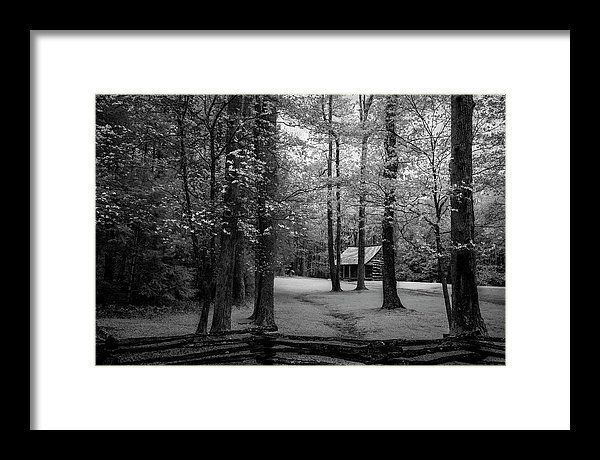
350 255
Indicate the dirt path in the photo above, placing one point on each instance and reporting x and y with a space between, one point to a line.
345 323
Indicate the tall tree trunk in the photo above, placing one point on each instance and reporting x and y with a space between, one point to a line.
240 274
441 264
230 233
199 256
466 316
265 150
205 283
213 195
364 106
333 272
338 221
391 300
208 255
440 256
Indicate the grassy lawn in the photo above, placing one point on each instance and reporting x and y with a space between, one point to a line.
305 306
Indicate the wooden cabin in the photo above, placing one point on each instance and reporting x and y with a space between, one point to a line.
373 263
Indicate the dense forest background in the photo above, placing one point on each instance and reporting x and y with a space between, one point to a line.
165 185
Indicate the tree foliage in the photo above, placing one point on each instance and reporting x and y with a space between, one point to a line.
166 165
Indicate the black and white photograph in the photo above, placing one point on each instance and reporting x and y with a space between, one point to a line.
300 229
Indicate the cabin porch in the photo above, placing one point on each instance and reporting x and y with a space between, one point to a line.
350 272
